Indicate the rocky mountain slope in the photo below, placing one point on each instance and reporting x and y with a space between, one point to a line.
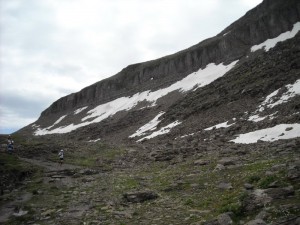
209 135
241 65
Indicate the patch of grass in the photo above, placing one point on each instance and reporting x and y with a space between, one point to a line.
189 202
10 162
253 179
123 184
94 155
236 208
266 181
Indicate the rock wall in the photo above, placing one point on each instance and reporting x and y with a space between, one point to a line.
267 20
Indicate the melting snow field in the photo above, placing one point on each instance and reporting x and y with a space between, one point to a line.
195 80
224 125
163 130
147 127
281 131
270 43
274 99
271 101
79 110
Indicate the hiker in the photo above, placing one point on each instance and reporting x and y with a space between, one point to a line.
10 144
61 157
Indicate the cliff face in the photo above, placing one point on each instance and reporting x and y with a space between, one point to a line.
266 21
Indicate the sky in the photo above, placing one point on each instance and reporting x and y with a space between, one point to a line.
52 48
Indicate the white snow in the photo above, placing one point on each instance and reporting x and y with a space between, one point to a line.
95 140
270 43
79 110
220 125
195 80
59 120
199 79
60 130
163 130
186 135
271 101
277 97
226 33
256 118
270 134
272 116
148 127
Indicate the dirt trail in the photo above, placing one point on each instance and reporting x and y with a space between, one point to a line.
52 169
50 166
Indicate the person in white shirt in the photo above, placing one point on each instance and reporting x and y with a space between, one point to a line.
61 157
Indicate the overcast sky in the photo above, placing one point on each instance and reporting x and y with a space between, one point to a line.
51 48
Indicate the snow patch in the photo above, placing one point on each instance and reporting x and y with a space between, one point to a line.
79 110
56 122
186 135
270 43
148 127
220 125
256 118
60 130
195 80
271 101
95 140
226 33
281 131
163 130
274 99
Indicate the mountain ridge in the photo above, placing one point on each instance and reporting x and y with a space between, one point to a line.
128 92
173 67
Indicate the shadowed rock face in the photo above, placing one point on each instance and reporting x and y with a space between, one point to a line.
266 21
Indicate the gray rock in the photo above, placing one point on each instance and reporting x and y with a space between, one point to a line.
20 213
280 193
262 215
225 186
255 200
201 162
224 219
293 174
219 167
88 172
256 222
248 186
140 196
228 161
88 179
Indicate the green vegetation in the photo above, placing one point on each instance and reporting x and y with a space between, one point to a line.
9 163
93 155
186 191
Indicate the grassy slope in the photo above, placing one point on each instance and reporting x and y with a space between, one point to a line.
188 193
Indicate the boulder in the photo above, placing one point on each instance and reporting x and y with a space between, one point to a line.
225 186
201 162
248 186
140 196
256 222
280 193
228 161
255 200
219 167
224 219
